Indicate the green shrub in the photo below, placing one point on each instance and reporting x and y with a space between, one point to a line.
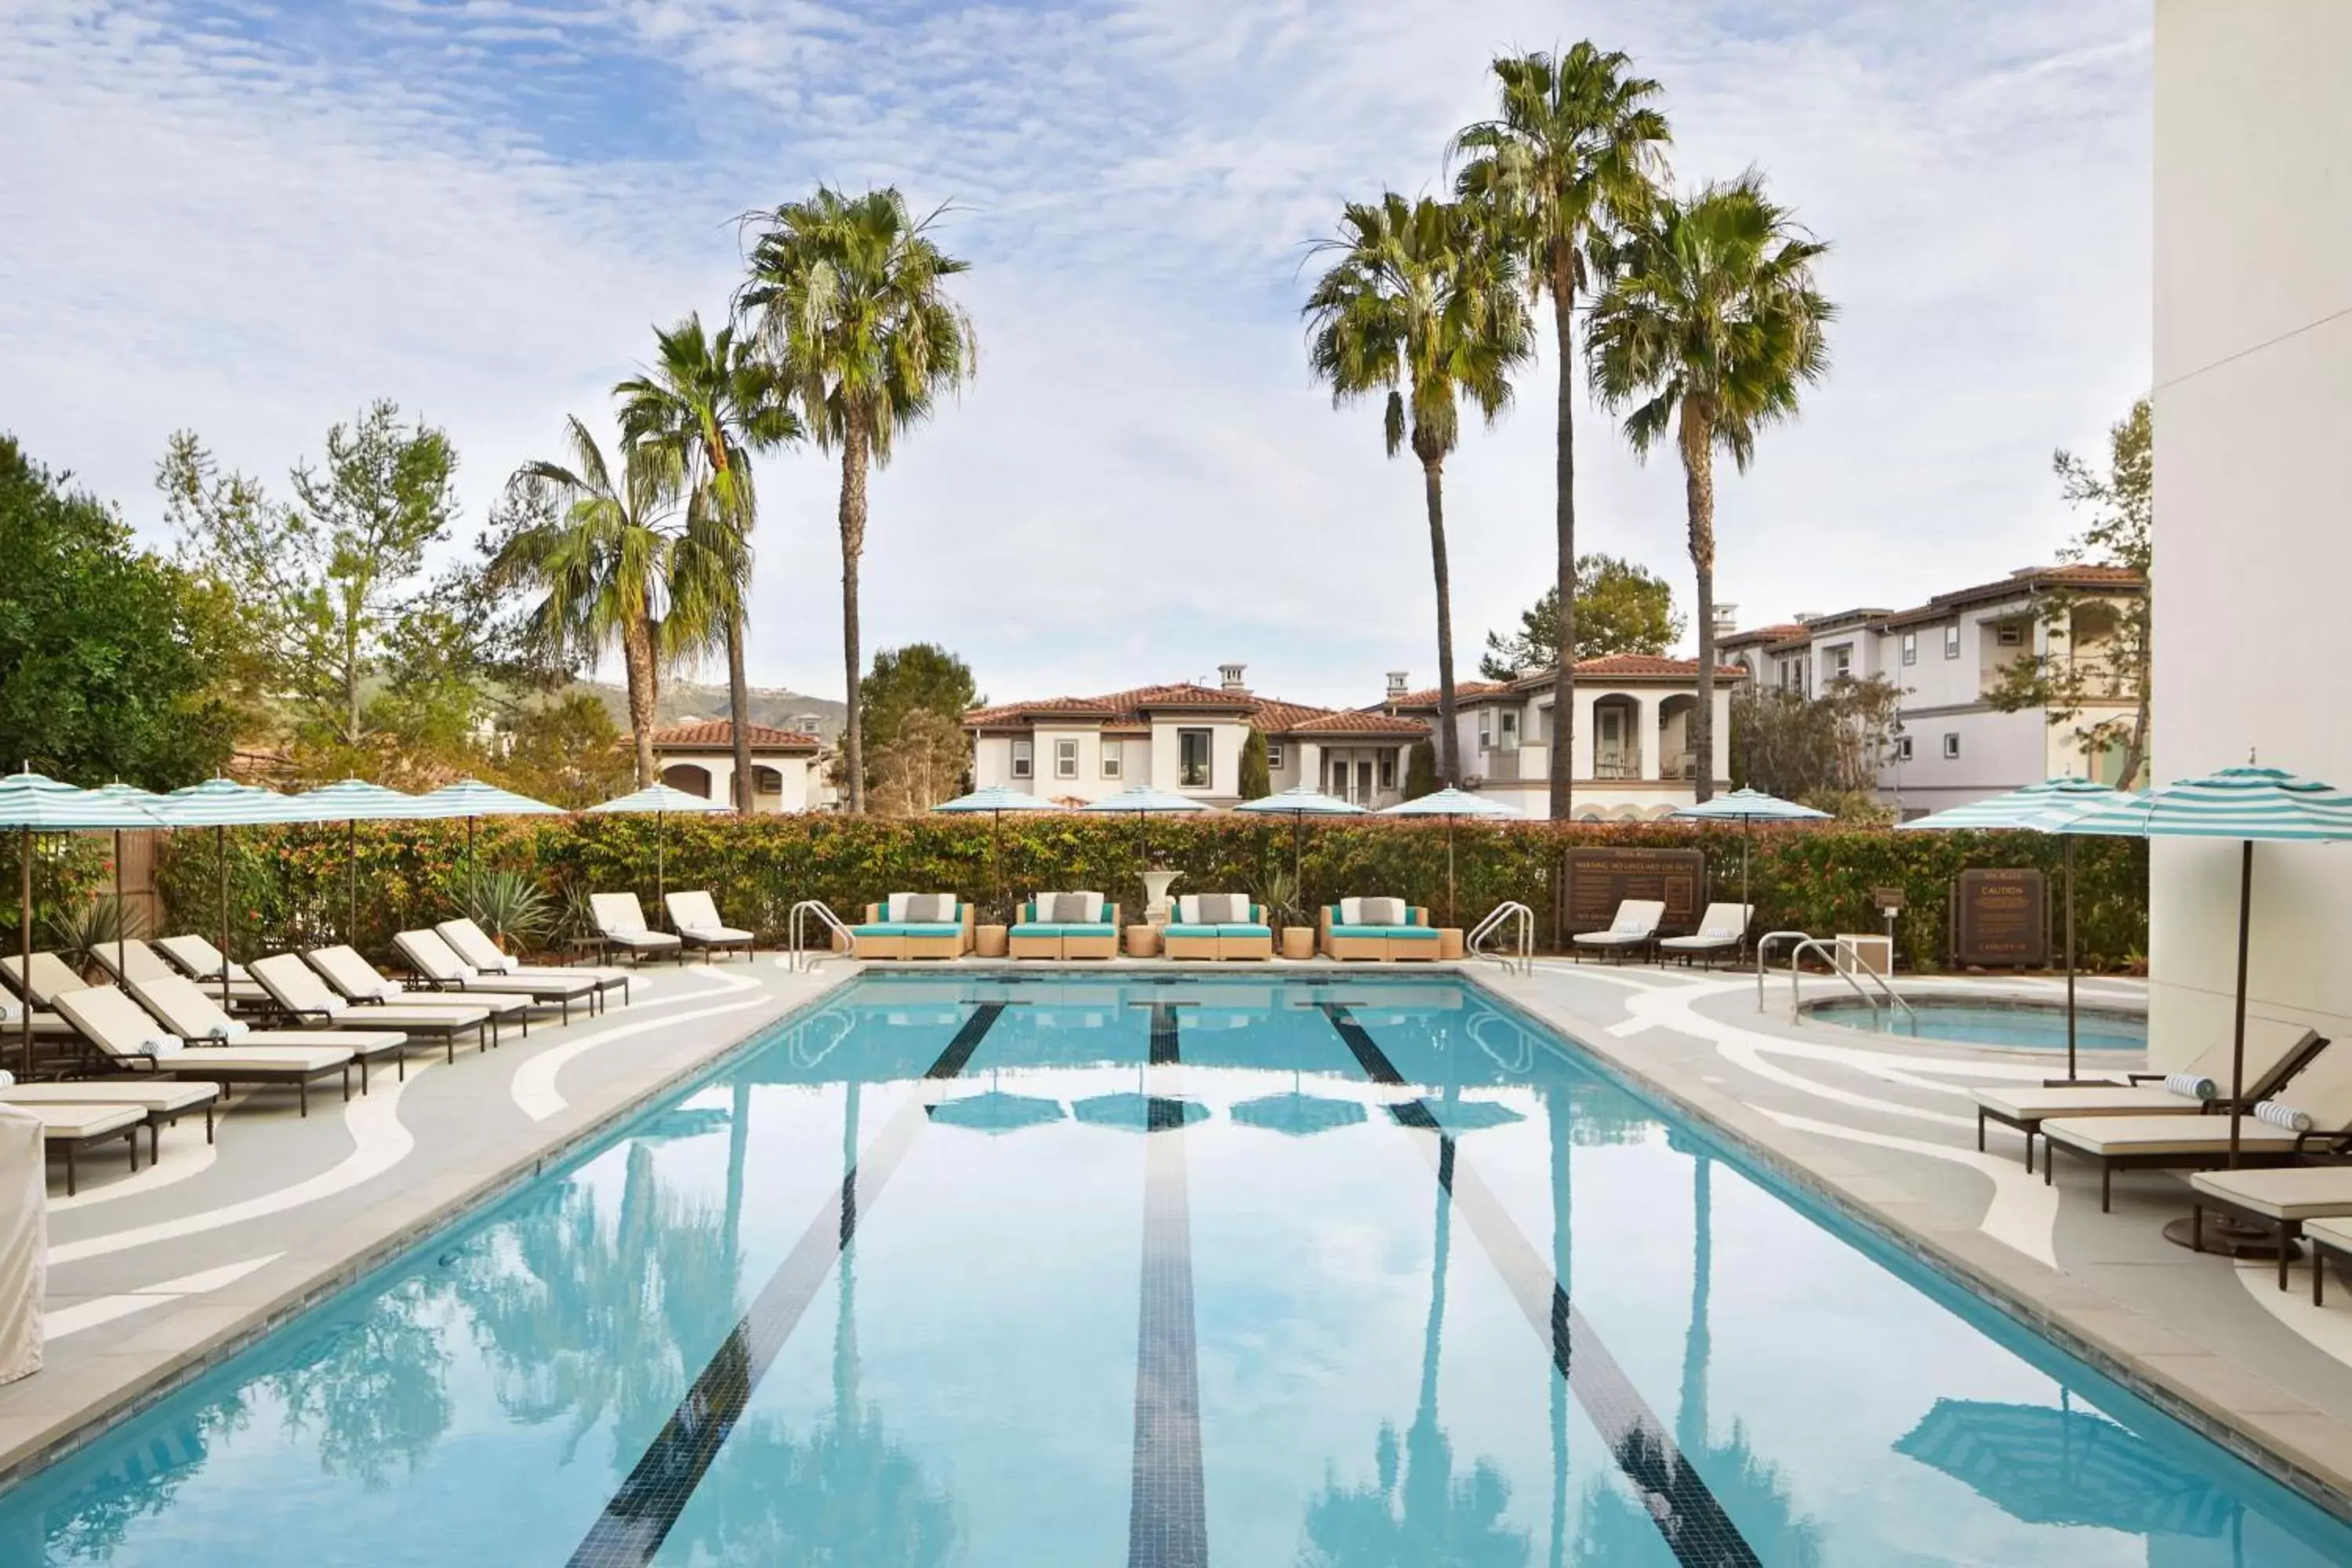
288 883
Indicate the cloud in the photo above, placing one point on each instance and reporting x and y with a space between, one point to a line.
251 220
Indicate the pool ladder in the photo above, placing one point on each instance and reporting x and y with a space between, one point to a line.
796 955
1516 923
1842 964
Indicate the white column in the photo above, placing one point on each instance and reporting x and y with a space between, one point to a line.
1653 745
1310 764
1588 733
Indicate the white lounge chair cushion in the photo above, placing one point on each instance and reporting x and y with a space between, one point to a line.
2336 1232
617 914
715 933
2125 1135
85 1121
2295 1192
164 1095
2032 1104
288 1055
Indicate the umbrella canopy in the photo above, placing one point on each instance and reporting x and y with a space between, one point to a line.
1449 803
2037 808
1133 1112
472 797
997 799
222 803
1143 798
1453 1117
996 1112
1299 800
1750 805
2250 804
1300 1115
660 799
348 801
2061 1466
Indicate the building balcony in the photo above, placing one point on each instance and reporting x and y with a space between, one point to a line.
1617 765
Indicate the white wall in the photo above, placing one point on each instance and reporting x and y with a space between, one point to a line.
2253 395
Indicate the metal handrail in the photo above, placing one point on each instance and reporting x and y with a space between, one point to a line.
1837 959
1763 945
824 912
1526 1058
1509 910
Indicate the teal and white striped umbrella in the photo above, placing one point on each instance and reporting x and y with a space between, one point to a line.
1450 803
350 801
31 802
659 800
225 802
471 798
1749 805
1300 800
2250 804
997 799
1142 799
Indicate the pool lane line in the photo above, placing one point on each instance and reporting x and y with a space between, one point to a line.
1166 1519
641 1514
1688 1516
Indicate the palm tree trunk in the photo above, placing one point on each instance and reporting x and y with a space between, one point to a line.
1698 485
1449 744
852 545
637 663
739 710
1563 680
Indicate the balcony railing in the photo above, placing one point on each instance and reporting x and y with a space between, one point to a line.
1620 766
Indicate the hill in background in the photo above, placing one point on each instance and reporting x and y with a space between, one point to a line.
770 705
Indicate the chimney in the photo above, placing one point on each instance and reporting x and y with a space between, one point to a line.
1396 683
806 723
1229 676
1727 619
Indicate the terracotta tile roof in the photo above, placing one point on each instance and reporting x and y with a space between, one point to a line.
1645 664
1463 691
719 735
1347 723
1780 633
2078 576
1126 707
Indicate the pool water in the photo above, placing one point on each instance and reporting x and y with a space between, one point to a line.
2015 1026
1045 1270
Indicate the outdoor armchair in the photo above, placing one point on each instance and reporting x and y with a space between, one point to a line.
1634 929
1378 930
1064 925
696 919
1217 926
914 925
620 920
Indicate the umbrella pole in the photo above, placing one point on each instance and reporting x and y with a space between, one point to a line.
351 871
25 930
1746 842
220 856
121 925
2071 1070
661 872
2237 1038
1449 871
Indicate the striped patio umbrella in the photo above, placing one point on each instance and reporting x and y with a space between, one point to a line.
1299 803
151 803
1450 803
473 800
1146 803
1748 807
660 799
2250 804
994 801
220 804
2037 808
2064 1466
31 803
350 802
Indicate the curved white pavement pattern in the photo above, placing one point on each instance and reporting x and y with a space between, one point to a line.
2023 1213
533 1088
69 1320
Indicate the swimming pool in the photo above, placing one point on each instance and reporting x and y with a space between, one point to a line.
1975 1020
1046 1270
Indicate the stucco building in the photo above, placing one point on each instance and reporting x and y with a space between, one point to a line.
788 766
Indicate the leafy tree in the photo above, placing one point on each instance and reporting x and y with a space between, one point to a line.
706 405
921 759
1621 608
1710 328
565 751
598 549
1421 304
2103 645
847 292
115 663
1802 747
1571 156
920 676
1257 774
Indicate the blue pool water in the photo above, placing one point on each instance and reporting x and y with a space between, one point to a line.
2014 1025
1052 1270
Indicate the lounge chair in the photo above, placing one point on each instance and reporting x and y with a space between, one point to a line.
1064 925
2322 1091
137 961
1722 933
1387 931
161 1100
358 982
126 1035
696 919
2279 1199
1634 929
187 1010
620 921
299 993
1217 926
46 1025
2329 1238
50 975
2274 1050
67 1130
914 925
195 957
441 964
473 946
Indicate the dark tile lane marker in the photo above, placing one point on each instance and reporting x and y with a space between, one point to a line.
640 1516
1689 1518
1167 1521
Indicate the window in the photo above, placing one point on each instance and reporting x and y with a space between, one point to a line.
1510 721
1902 748
1951 745
1022 754
1114 758
1485 731
1952 641
1388 768
2010 634
1838 661
1066 758
1274 754
1193 755
1910 647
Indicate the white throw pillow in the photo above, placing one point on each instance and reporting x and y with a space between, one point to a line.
1352 911
896 909
1188 910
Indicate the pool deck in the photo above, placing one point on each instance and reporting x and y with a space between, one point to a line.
156 1276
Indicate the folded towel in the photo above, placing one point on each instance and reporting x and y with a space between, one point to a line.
233 1029
333 1006
467 972
2285 1116
389 989
162 1046
7 1079
2193 1085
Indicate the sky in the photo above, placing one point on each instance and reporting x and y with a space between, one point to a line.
252 219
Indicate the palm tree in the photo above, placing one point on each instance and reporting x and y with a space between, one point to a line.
847 294
1424 304
708 402
1711 327
1572 156
598 549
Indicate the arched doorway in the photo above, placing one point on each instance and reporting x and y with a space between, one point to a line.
689 777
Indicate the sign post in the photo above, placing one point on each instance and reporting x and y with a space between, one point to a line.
1599 880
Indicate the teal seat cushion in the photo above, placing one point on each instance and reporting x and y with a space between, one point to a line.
1102 928
1410 933
909 928
1036 928
1245 930
1193 930
1360 930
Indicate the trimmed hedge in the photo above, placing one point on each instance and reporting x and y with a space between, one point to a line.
288 887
